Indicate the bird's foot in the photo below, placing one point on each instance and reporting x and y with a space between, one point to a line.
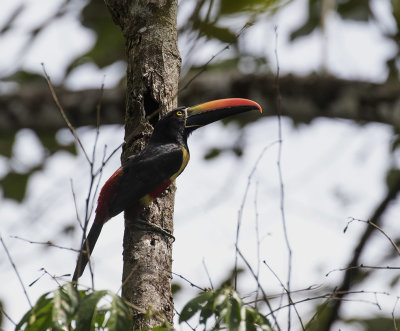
147 226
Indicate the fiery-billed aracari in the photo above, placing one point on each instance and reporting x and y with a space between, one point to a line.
144 176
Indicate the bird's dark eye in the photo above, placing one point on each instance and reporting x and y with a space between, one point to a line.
179 113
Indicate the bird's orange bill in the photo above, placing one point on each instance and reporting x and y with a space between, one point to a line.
212 111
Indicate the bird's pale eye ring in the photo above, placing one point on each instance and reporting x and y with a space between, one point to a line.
179 113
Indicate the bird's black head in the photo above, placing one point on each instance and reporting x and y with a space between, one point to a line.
179 123
171 127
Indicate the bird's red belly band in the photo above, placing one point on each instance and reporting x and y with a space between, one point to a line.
155 193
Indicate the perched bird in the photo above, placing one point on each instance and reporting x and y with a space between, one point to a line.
144 176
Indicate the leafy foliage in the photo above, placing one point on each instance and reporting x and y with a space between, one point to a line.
66 308
14 183
69 309
226 310
375 323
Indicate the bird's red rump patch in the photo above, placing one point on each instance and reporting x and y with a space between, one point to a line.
106 196
149 197
155 193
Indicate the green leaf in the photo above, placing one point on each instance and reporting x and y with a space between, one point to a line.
213 31
120 318
394 281
39 316
359 10
175 288
233 317
253 318
87 311
313 20
100 318
109 46
209 308
52 145
250 320
195 305
65 303
6 145
25 77
375 323
14 185
239 6
212 153
393 179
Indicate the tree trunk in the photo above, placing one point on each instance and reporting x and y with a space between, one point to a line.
149 28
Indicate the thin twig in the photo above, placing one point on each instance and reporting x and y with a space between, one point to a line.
45 272
362 266
265 297
346 283
108 158
99 173
393 317
287 293
278 295
186 322
335 295
189 282
127 278
241 209
16 270
208 274
2 311
46 243
352 219
75 204
258 243
282 188
61 109
205 66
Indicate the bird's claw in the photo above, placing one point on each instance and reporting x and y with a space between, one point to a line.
147 226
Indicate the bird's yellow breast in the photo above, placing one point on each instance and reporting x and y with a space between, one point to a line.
185 160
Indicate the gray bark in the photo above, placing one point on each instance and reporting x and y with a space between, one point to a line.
149 28
303 99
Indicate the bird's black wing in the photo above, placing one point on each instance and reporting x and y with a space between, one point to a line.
145 172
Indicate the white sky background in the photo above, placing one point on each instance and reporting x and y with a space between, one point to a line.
332 169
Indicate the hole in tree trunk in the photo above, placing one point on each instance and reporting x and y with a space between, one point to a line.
151 105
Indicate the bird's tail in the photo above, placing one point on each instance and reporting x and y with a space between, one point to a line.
87 249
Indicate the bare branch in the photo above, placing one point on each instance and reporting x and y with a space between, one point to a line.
362 266
265 297
60 108
352 219
393 317
16 270
376 218
287 293
2 311
205 66
189 282
45 272
208 274
337 295
278 163
241 209
46 243
258 242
